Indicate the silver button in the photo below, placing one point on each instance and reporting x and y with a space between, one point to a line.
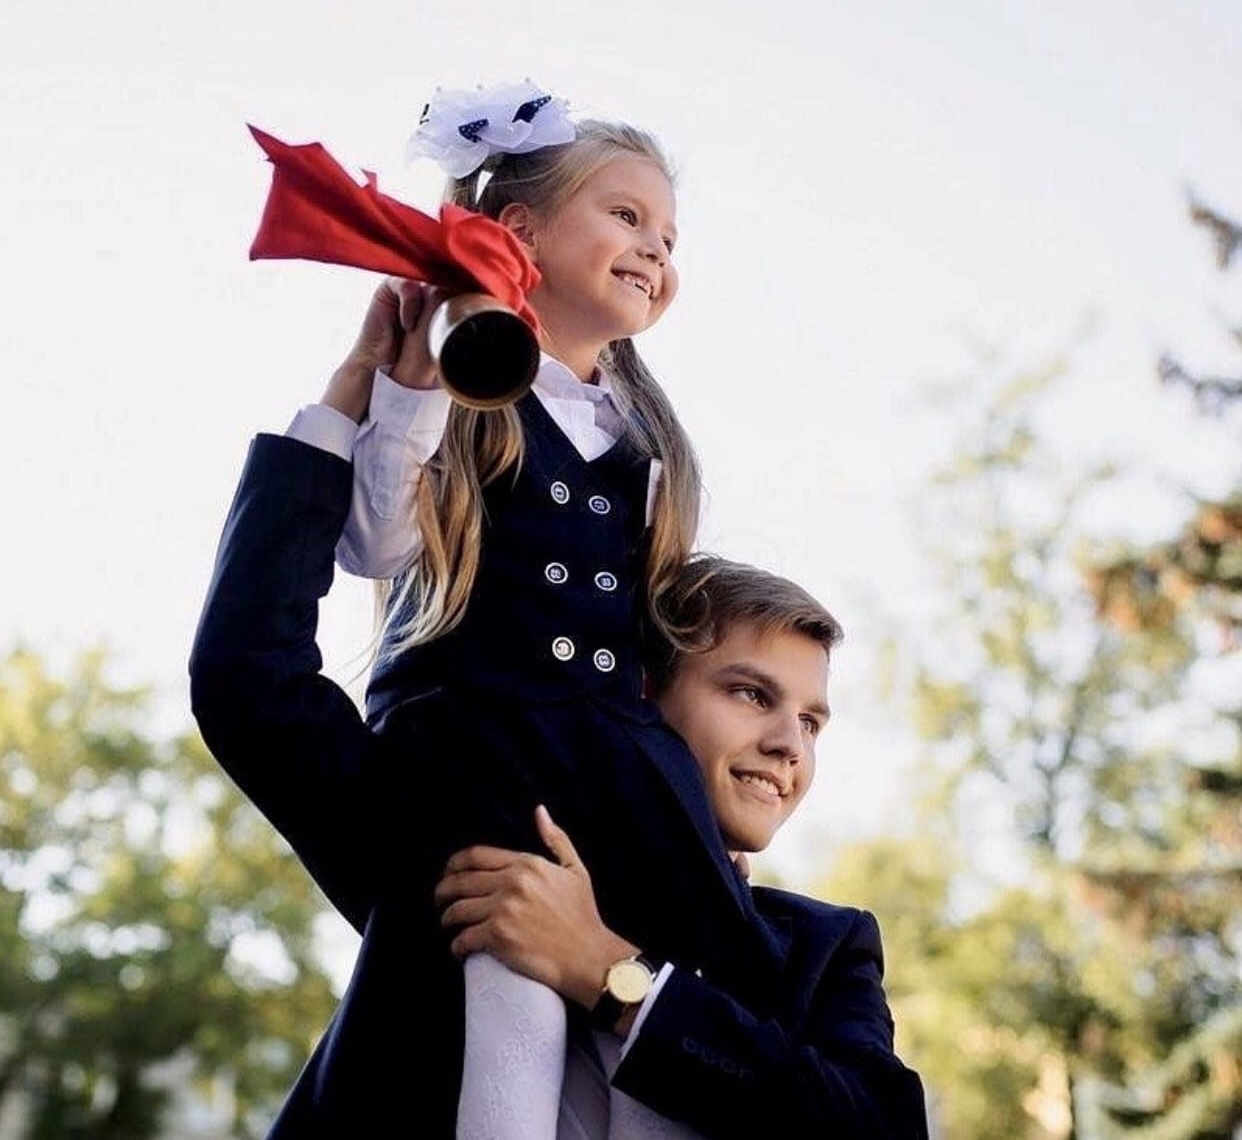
562 649
555 573
605 662
560 493
606 581
599 504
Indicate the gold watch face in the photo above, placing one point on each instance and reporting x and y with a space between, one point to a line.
629 981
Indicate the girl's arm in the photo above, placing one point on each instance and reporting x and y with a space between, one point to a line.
385 410
402 431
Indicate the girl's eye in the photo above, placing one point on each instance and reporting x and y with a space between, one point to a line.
626 215
668 245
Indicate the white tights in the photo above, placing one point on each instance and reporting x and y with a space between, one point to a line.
514 1061
514 1065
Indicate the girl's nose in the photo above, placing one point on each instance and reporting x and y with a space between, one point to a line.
654 249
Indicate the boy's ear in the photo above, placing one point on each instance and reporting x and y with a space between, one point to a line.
519 218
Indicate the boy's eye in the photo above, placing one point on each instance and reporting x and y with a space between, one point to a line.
811 725
668 244
750 693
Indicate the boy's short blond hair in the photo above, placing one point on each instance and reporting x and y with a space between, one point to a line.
710 594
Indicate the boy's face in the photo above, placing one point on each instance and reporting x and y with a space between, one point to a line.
751 709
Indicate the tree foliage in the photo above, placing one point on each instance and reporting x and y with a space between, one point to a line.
154 934
1065 932
1190 901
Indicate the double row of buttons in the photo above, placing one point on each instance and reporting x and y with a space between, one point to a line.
556 573
563 649
560 494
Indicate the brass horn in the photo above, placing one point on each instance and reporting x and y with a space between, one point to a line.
487 355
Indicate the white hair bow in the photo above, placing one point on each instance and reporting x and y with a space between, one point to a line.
462 129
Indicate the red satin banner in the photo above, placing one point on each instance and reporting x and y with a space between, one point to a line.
315 211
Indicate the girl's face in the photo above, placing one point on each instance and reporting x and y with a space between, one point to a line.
606 257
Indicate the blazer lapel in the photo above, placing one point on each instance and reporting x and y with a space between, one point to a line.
653 738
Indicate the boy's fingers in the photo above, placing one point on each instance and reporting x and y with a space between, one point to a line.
556 840
479 858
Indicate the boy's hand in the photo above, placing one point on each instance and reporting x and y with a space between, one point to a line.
537 916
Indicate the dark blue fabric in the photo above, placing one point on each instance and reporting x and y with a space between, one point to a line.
563 554
373 814
821 1065
492 706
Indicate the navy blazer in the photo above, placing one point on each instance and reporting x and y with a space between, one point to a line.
818 1061
822 1066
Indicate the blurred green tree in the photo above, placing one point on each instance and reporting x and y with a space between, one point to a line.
1196 574
1189 896
155 935
1067 924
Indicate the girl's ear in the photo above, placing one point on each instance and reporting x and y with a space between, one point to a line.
519 218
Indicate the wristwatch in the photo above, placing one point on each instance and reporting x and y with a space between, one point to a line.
626 984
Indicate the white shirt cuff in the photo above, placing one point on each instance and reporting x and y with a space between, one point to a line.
665 973
417 414
325 428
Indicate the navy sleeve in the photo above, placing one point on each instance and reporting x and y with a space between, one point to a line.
828 1070
292 739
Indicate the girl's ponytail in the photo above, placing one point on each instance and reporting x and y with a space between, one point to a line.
656 431
478 446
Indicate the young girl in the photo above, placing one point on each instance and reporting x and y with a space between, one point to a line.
523 550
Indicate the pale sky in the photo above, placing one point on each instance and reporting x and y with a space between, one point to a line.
866 191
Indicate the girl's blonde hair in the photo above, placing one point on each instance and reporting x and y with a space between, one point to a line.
480 446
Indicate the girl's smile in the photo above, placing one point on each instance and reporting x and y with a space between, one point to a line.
606 259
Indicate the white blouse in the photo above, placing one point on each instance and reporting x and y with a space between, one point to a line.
403 428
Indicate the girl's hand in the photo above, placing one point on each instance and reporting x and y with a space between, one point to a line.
537 916
393 337
416 302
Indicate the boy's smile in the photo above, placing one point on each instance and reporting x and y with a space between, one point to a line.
750 710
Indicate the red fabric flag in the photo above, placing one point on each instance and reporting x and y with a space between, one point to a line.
315 211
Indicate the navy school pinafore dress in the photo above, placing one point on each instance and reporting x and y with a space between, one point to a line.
535 698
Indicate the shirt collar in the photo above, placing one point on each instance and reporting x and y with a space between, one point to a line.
558 381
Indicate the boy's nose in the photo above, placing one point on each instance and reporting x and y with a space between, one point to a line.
785 738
